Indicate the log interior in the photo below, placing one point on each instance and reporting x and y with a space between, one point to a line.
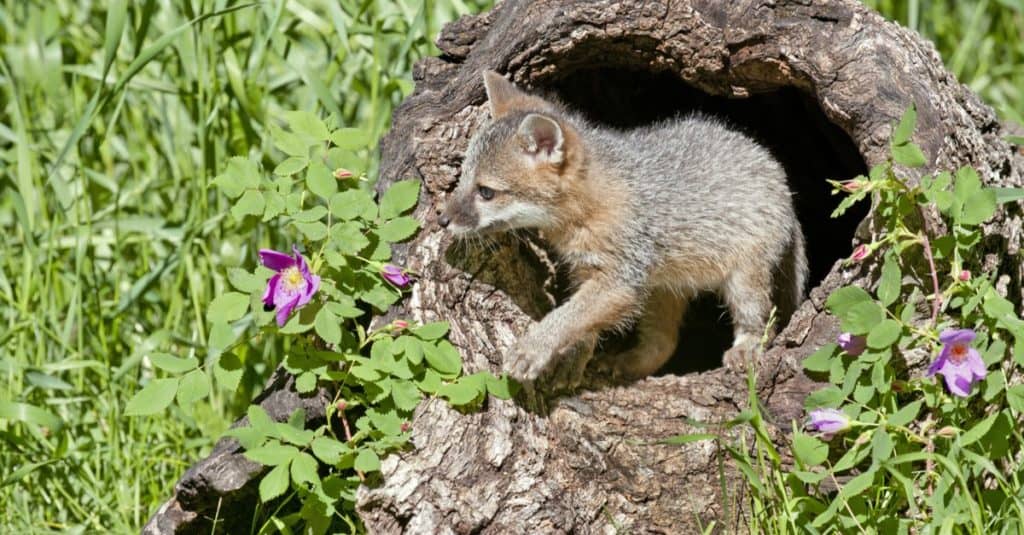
786 120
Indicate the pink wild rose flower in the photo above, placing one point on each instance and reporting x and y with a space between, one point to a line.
291 287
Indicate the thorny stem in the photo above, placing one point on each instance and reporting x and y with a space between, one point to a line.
937 300
348 438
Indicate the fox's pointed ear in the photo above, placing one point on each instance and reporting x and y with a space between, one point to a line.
501 94
544 140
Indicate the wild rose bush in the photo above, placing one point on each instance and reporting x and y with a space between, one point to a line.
321 296
917 429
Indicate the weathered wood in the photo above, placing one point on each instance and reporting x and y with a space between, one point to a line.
821 82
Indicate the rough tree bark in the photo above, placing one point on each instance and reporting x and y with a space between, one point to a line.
587 463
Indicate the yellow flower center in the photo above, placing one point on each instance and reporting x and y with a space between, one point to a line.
292 278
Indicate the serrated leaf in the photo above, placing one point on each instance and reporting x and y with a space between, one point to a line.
381 297
351 204
273 454
978 208
329 450
261 421
227 307
881 446
905 128
305 382
906 414
1005 195
195 385
809 450
348 238
884 334
228 371
841 300
274 483
351 138
327 326
307 124
821 360
304 469
431 331
320 181
173 364
244 281
275 205
251 203
408 348
239 175
443 357
315 213
862 317
155 397
503 387
830 397
890 282
290 433
401 196
289 143
314 231
367 461
398 229
909 155
290 166
405 394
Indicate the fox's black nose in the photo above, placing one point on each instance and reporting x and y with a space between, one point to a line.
443 220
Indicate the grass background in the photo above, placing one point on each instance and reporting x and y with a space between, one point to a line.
112 242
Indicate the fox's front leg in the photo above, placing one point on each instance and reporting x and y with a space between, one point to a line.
598 304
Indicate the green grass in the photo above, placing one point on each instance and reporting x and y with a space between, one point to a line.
112 240
113 124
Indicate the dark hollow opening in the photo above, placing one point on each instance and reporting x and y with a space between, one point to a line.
788 122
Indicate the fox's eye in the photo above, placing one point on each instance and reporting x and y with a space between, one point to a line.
485 192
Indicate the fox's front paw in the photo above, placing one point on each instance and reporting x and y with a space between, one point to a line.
529 359
743 355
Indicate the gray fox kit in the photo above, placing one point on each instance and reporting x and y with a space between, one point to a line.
644 219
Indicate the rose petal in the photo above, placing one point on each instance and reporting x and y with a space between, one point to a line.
272 284
312 285
276 260
285 310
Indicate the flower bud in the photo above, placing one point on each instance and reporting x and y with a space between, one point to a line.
860 253
342 173
965 276
341 405
851 186
399 325
406 426
947 432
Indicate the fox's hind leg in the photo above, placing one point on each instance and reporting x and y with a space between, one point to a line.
658 333
747 291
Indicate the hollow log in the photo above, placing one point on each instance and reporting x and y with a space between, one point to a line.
821 83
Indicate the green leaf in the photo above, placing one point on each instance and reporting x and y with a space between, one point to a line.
503 387
679 440
405 395
351 138
348 238
409 348
329 450
251 203
155 397
809 450
304 469
227 307
246 282
881 446
367 461
978 431
1005 195
307 124
1015 398
905 128
830 396
23 412
315 213
460 392
398 229
431 331
289 143
273 454
195 385
443 357
350 204
909 155
291 433
239 175
845 298
228 371
906 414
400 197
890 282
320 181
978 208
261 421
173 364
275 205
327 326
291 166
305 382
821 360
862 317
314 231
381 297
884 334
274 483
